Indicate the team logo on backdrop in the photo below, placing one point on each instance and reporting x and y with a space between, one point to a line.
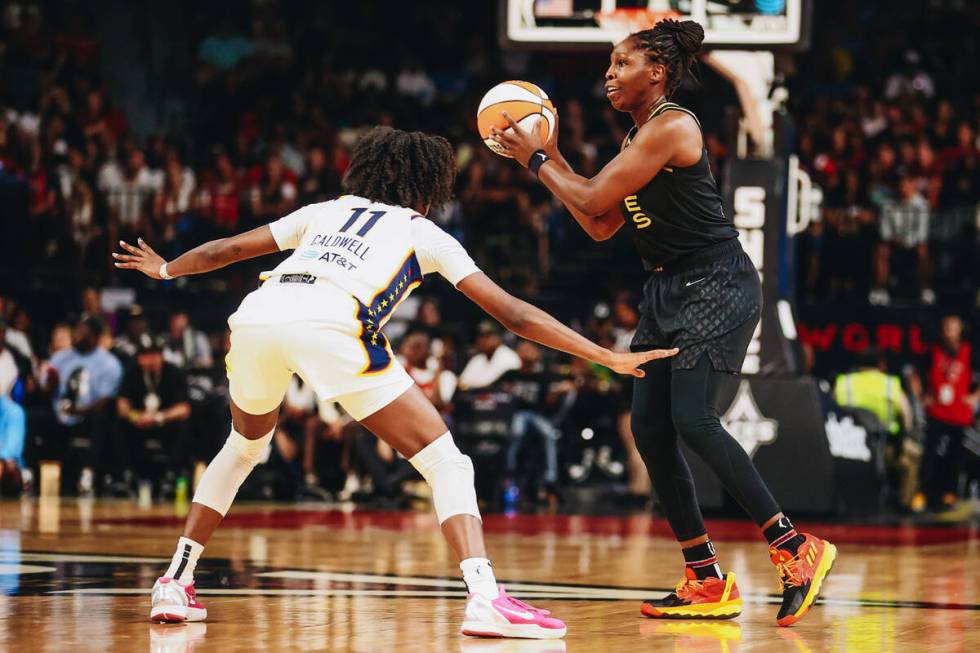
746 422
847 439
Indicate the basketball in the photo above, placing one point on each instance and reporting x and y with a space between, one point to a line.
525 102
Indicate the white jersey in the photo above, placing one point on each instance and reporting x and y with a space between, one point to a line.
375 253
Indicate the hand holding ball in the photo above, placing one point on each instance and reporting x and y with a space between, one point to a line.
525 103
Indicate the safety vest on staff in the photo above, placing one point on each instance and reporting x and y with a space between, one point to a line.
873 390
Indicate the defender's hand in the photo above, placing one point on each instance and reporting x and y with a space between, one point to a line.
141 258
629 363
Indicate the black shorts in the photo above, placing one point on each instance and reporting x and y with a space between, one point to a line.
709 302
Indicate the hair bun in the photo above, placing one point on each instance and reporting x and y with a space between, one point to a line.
688 34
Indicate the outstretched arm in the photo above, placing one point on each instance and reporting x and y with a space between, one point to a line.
676 136
203 258
532 323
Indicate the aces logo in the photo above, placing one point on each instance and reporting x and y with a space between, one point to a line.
746 422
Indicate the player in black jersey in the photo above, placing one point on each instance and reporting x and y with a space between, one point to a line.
703 296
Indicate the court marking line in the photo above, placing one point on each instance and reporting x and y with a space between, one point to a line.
8 556
352 593
15 569
530 590
556 596
426 581
594 592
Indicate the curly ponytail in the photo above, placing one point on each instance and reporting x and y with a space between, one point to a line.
401 168
675 45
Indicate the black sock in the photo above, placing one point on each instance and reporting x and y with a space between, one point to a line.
782 535
701 559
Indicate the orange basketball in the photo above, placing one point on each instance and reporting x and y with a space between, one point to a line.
527 104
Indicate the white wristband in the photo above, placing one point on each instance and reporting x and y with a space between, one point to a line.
163 272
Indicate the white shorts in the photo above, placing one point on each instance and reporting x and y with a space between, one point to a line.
362 376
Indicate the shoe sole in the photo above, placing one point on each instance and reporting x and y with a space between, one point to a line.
175 614
726 610
515 631
823 570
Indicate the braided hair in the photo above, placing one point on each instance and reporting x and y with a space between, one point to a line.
675 45
401 168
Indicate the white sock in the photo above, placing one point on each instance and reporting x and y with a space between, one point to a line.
479 578
184 560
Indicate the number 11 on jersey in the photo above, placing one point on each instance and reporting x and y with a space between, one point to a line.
367 226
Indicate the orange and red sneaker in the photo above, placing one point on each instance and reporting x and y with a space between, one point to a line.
801 575
711 598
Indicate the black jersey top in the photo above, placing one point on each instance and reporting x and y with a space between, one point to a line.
679 211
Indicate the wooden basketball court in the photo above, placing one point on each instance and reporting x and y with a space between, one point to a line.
75 576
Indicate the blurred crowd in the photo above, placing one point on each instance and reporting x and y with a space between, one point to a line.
901 181
121 399
887 117
256 110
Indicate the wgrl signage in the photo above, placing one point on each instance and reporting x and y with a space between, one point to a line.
838 333
800 449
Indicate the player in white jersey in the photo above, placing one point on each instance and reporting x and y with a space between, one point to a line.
319 314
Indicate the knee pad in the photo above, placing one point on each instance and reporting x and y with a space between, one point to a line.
450 475
228 470
252 452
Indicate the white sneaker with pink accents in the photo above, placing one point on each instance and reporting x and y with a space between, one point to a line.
505 616
174 602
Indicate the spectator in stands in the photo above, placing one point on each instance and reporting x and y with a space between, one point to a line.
415 82
186 347
871 388
92 307
327 451
83 382
61 336
99 121
274 194
13 422
154 411
174 199
9 370
625 319
219 199
492 359
904 236
18 326
134 329
385 467
443 337
438 383
951 403
226 46
80 209
130 189
320 181
296 429
537 395
13 434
